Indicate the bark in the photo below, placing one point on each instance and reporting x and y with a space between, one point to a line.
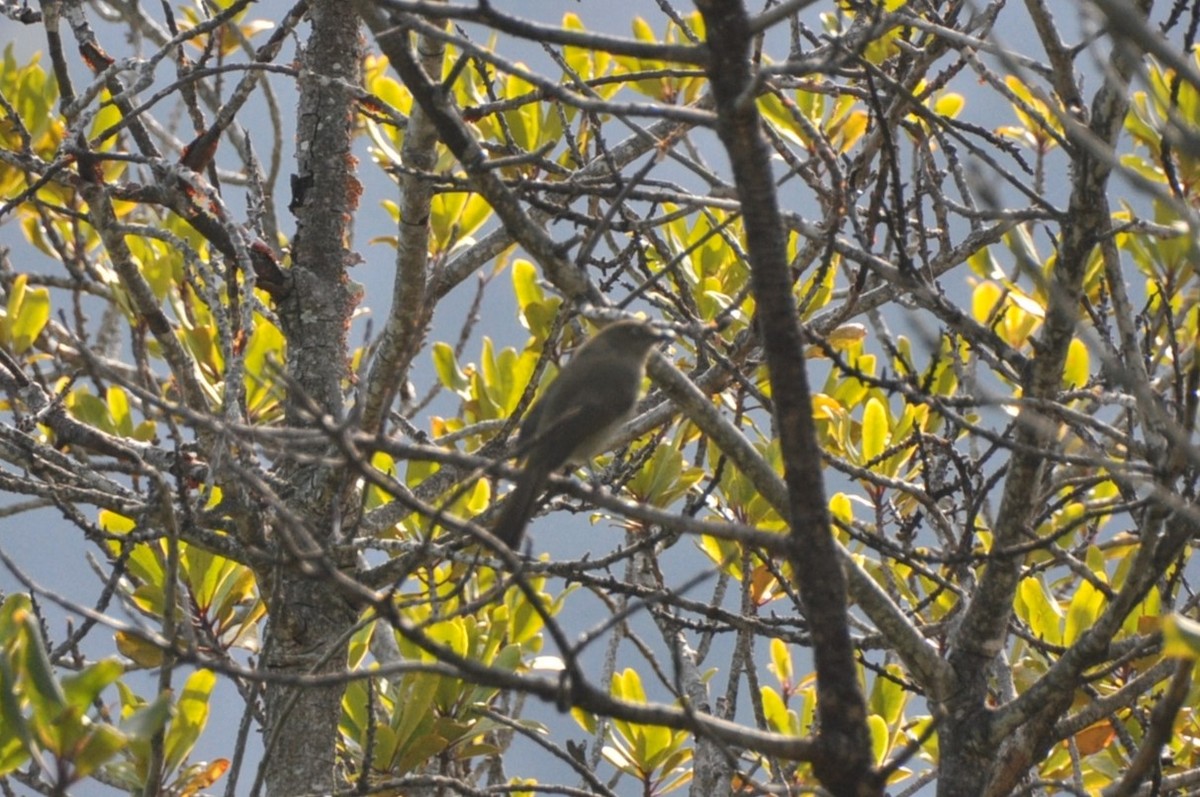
969 761
844 764
411 305
309 615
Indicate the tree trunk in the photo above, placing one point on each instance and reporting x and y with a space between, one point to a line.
309 614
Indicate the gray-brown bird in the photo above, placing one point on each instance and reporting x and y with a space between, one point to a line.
593 395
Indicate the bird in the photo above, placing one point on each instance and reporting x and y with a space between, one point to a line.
576 417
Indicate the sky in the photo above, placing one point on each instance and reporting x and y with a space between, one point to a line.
51 549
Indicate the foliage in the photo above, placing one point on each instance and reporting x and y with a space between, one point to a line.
994 278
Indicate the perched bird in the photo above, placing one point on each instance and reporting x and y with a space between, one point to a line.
593 395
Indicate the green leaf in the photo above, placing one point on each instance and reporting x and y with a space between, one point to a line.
666 477
1181 637
118 410
30 319
423 749
1085 607
1041 611
949 105
586 720
36 674
841 508
776 712
781 663
191 715
875 430
525 284
145 721
1077 370
642 30
16 297
202 570
449 374
100 745
413 713
15 737
888 696
880 737
85 686
524 623
360 645
138 649
475 212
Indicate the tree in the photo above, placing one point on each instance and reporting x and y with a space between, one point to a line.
927 422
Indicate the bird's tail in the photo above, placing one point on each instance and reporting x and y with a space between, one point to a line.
519 507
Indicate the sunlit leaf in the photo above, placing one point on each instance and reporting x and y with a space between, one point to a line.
1181 637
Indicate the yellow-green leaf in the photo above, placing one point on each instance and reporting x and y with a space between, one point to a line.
446 365
781 662
30 319
875 430
1181 637
1083 611
1040 611
191 715
1077 370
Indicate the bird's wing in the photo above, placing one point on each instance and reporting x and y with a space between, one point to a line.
589 421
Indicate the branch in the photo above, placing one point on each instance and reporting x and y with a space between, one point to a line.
1162 722
985 622
544 34
393 40
814 551
411 308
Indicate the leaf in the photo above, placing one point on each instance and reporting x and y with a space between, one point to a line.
202 776
148 719
137 649
666 477
529 295
840 508
775 711
475 212
1181 637
880 737
888 695
99 745
642 30
781 663
360 645
118 410
449 374
444 211
826 408
191 715
846 335
875 430
1083 611
1041 611
36 674
949 105
16 297
30 319
986 301
1095 738
1077 370
586 719
86 685
15 736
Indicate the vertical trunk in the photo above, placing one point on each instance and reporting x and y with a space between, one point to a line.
967 762
844 765
309 615
309 619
